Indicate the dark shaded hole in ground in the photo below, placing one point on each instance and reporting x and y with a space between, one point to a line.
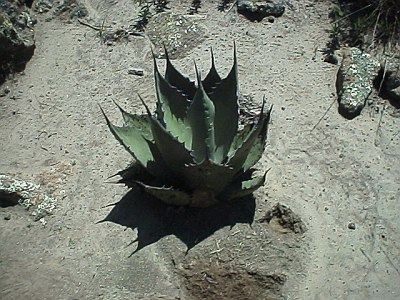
284 217
8 199
207 280
154 220
29 3
348 115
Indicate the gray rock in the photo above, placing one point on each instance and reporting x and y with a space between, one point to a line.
66 9
256 11
71 8
17 41
355 81
42 6
391 82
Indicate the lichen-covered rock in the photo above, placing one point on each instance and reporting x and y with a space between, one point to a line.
175 32
355 81
27 194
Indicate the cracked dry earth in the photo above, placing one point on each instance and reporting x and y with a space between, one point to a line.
336 178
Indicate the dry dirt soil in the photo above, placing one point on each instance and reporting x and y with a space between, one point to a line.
337 178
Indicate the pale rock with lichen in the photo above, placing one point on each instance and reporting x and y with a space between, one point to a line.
354 81
29 195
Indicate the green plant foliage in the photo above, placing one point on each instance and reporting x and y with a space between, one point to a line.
191 151
363 22
196 4
145 13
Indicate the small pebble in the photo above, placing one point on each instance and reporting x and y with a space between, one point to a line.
138 72
7 217
351 226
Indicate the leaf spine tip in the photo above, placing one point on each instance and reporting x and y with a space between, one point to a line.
212 57
105 116
146 107
198 76
119 107
234 52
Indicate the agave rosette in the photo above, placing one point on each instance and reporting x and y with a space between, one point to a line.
191 151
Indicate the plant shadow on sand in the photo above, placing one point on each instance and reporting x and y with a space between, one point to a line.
154 220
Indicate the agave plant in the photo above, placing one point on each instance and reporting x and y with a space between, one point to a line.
191 152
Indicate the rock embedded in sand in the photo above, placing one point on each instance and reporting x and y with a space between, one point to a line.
351 226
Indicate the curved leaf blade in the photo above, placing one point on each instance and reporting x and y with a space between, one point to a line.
238 158
201 116
176 79
133 141
239 138
140 122
172 108
258 147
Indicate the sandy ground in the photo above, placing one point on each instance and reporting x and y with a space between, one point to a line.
328 170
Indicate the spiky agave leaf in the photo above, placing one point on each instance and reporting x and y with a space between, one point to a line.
173 152
174 196
243 188
133 172
207 175
168 195
133 141
201 115
137 140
